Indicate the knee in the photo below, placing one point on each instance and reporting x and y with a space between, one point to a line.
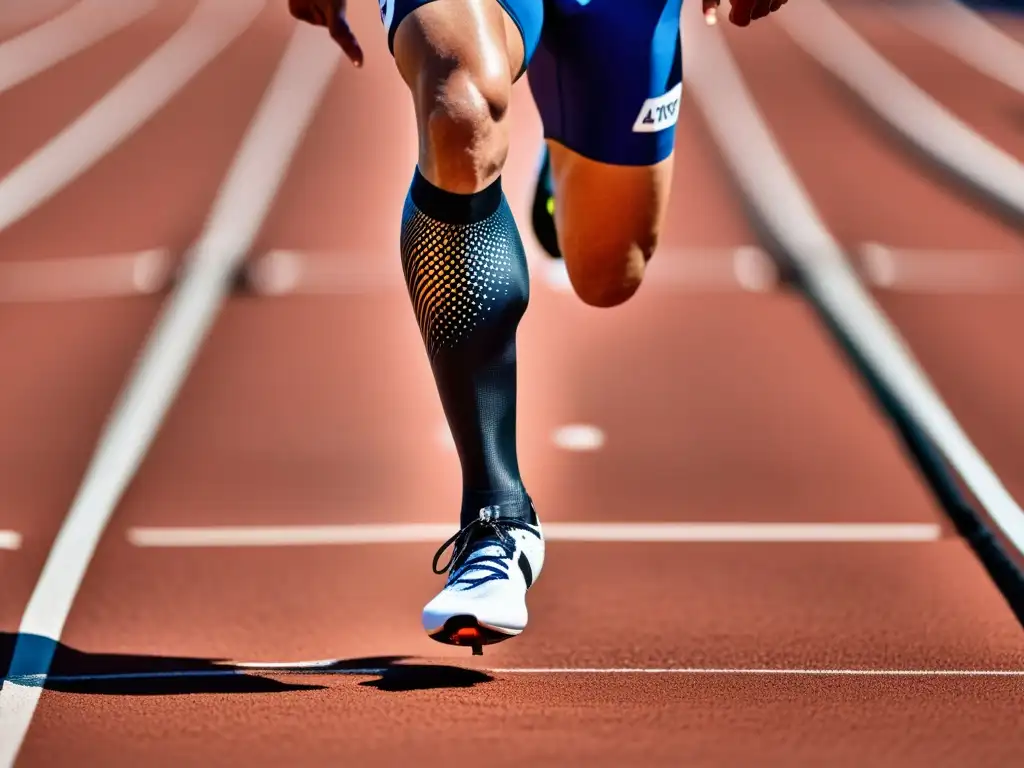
609 221
463 136
606 277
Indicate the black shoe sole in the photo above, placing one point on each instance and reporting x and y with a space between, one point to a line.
466 631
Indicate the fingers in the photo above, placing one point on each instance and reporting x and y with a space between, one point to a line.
711 11
342 35
304 10
745 11
330 14
761 9
739 13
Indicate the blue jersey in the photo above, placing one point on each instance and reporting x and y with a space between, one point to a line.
606 75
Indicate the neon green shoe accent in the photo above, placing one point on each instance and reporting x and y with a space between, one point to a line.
551 206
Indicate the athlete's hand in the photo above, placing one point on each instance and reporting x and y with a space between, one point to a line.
742 12
332 14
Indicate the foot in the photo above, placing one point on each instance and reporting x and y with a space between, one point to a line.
494 562
544 209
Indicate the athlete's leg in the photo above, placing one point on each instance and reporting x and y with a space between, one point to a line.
607 80
466 271
606 262
461 250
459 59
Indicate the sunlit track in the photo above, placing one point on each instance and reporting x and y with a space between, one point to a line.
85 23
280 121
925 270
920 119
205 34
740 543
944 268
967 35
19 16
288 272
786 208
283 272
128 274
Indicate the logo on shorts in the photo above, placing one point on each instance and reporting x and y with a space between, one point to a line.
660 112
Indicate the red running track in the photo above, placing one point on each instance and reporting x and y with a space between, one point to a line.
873 192
717 403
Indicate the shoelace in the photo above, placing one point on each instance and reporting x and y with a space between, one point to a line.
488 524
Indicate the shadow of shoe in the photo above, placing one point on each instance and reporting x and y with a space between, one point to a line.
112 674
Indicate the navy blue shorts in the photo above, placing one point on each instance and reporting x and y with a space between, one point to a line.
606 75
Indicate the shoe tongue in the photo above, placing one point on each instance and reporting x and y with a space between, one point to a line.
482 543
482 540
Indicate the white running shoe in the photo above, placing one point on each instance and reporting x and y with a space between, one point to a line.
494 562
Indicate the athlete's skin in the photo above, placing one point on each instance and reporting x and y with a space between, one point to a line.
459 59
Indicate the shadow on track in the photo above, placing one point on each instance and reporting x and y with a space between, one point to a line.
116 674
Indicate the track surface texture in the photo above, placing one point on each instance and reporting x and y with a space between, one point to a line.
716 396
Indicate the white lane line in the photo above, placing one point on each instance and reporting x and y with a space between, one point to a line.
282 272
555 273
123 274
968 36
288 271
942 271
412 533
314 665
326 669
780 201
757 671
281 119
578 437
755 270
826 37
744 267
285 271
9 540
80 26
445 439
17 15
123 110
279 272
